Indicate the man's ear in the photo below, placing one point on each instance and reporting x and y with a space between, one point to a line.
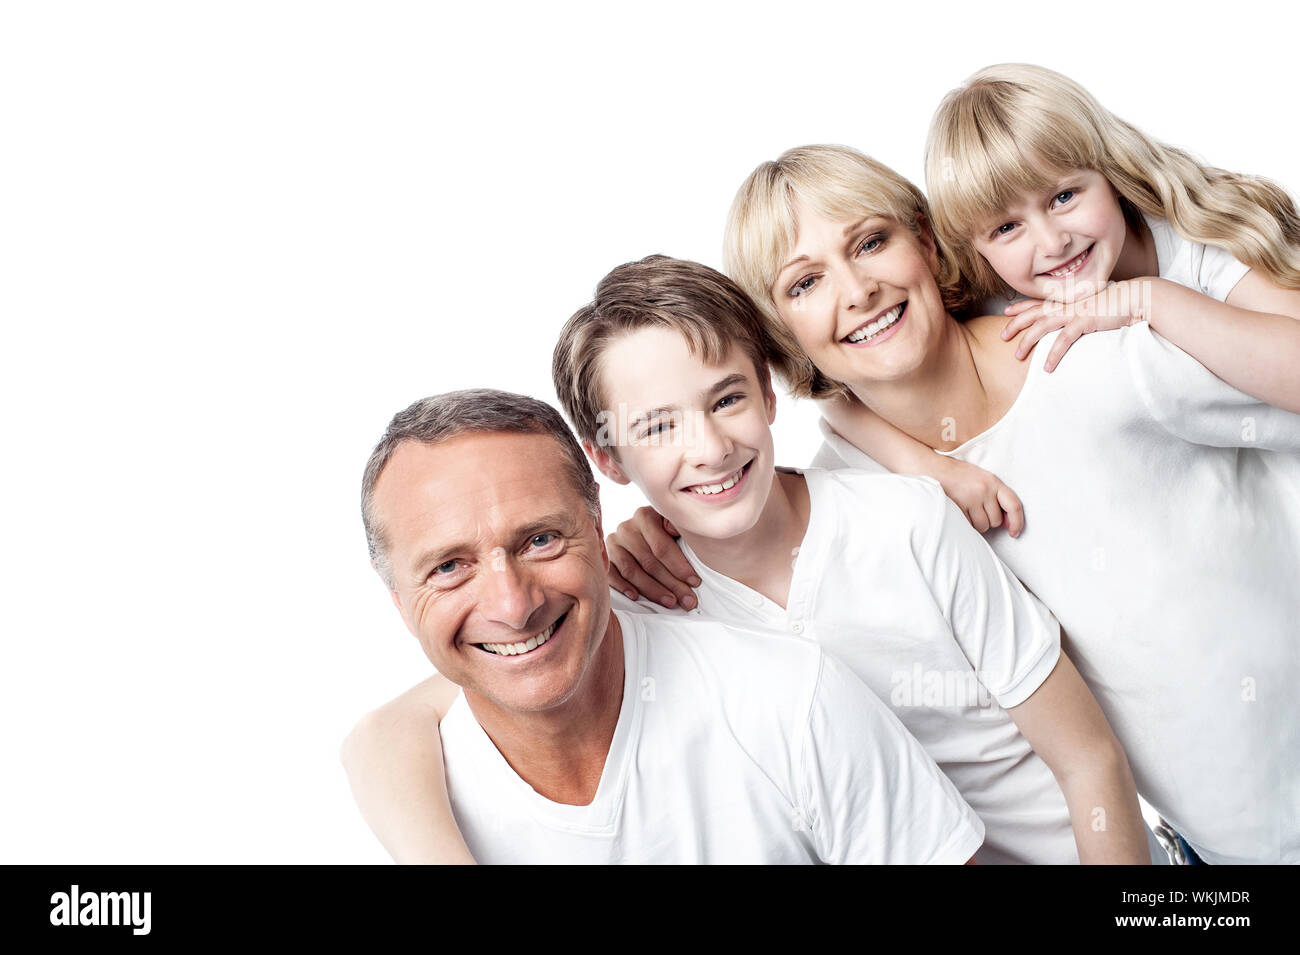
606 464
397 602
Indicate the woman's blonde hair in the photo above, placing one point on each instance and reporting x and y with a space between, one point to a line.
838 183
1010 129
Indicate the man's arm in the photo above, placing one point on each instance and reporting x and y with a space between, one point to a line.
393 758
1065 726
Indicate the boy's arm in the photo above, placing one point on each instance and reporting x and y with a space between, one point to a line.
393 758
1067 729
1013 644
984 499
645 559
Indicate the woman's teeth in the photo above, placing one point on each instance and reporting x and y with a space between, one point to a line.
532 643
872 329
729 483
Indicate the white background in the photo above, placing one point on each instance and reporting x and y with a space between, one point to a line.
236 237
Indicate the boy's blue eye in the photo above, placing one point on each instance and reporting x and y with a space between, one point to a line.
1063 197
1003 229
728 401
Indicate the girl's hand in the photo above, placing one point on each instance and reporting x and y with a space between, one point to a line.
1117 305
984 499
644 557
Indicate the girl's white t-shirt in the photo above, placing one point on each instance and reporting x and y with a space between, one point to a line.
1162 529
1208 269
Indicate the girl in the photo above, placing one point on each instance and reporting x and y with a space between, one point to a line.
1166 527
1037 190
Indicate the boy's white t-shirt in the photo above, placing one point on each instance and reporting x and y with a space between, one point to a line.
1208 269
1162 511
728 749
892 581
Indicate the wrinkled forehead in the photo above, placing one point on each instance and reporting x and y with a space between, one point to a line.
477 489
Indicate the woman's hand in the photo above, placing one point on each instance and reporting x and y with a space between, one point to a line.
644 558
983 498
1117 305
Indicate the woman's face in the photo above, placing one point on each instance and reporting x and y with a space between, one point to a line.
860 296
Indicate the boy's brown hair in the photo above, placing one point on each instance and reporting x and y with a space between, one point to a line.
708 309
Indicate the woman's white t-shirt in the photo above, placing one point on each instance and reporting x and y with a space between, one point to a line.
1163 529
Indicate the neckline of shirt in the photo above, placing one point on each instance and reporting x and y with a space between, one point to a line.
808 557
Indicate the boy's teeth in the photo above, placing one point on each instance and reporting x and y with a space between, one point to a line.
717 488
510 649
872 329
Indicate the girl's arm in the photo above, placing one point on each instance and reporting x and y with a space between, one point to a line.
984 499
393 758
1066 727
1251 341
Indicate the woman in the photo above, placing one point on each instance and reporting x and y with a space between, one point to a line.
1163 506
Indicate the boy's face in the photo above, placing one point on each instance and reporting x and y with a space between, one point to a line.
695 438
1060 245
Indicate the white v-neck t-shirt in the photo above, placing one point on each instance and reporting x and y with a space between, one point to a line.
892 581
728 749
1162 512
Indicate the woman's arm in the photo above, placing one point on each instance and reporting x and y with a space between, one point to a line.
393 758
984 499
1067 729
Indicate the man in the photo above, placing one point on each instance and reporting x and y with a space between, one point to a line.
585 735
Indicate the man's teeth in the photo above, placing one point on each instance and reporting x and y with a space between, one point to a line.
532 643
871 329
716 488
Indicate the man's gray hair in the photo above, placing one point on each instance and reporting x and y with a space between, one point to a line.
441 417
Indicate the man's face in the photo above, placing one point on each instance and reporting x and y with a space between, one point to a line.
499 569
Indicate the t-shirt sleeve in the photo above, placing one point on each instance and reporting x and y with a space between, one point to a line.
1011 640
1189 401
1217 271
870 793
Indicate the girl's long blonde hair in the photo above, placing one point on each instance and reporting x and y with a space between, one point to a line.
1011 128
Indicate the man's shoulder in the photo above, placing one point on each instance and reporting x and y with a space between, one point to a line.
735 661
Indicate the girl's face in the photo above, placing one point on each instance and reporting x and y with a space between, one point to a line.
1061 244
860 296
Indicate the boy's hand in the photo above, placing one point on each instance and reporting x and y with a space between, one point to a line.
644 557
984 499
1116 305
